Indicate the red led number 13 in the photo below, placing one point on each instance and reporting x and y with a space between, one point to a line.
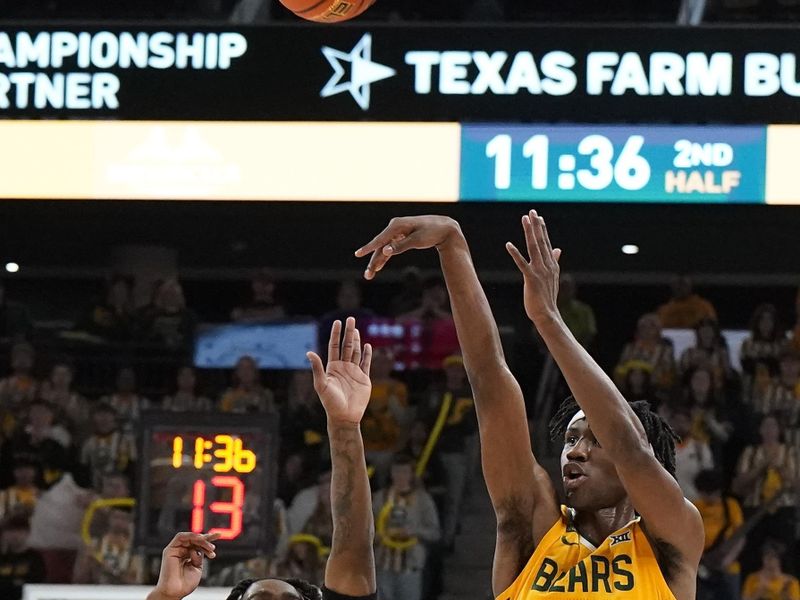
232 508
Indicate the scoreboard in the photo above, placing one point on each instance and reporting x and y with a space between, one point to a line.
207 473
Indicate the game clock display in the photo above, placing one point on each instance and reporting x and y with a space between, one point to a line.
207 473
612 163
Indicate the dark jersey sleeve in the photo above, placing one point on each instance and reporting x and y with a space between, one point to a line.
331 595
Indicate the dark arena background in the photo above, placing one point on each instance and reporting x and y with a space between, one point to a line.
183 185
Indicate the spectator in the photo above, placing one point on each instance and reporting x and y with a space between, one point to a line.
685 309
782 395
761 349
71 408
20 498
19 389
720 573
578 315
127 404
386 418
263 306
709 351
310 511
19 564
691 455
766 472
712 421
348 304
15 321
247 395
406 520
112 319
303 422
185 398
637 382
771 583
114 486
111 559
169 322
651 348
305 559
109 449
438 338
450 414
44 440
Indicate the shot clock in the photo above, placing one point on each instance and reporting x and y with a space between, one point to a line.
612 163
207 473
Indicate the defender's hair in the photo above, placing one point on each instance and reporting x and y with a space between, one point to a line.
660 435
307 590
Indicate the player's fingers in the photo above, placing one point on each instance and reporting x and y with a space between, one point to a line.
376 262
393 229
522 264
556 254
335 341
530 239
356 347
188 540
347 344
401 244
366 360
545 250
318 370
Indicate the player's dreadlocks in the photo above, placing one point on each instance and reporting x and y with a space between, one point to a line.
660 435
307 590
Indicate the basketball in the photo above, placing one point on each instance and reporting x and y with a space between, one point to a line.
327 11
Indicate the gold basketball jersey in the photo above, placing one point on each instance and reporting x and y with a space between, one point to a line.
567 567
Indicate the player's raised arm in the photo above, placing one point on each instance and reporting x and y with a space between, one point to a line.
521 491
344 388
182 565
655 494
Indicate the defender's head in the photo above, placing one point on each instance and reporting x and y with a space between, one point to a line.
590 478
275 589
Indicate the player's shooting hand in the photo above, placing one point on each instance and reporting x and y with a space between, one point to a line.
407 233
541 272
182 565
344 386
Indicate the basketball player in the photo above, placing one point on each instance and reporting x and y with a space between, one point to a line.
344 388
627 531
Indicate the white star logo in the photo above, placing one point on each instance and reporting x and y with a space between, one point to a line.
363 71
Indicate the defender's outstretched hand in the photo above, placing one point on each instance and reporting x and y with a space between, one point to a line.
540 272
406 233
344 386
182 565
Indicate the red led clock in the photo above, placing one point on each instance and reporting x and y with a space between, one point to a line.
207 473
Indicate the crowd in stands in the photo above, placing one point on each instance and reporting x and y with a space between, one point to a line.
65 445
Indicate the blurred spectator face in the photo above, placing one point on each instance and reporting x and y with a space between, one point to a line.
301 388
186 380
115 486
566 288
681 287
706 336
637 381
324 488
61 377
246 371
419 433
22 357
402 478
681 422
790 367
15 537
105 421
126 381
119 522
170 296
700 383
382 363
349 296
293 469
40 416
263 287
24 475
771 558
766 325
770 430
648 328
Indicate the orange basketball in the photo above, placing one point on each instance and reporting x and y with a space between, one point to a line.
327 11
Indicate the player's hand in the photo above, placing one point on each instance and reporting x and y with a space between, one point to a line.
182 565
541 272
407 233
344 386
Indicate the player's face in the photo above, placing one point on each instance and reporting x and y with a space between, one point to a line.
271 589
590 479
